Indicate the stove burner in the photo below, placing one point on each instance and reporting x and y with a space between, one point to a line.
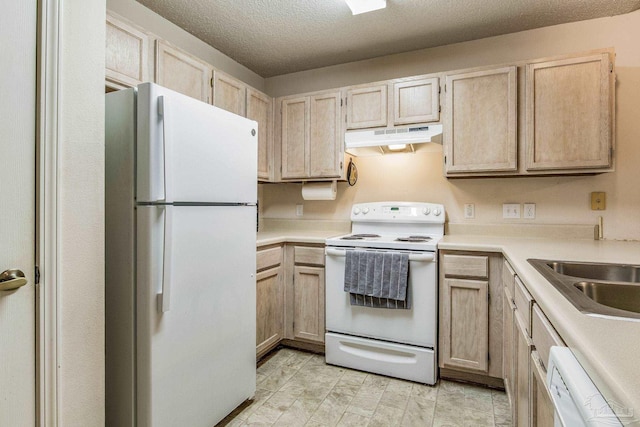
414 239
359 236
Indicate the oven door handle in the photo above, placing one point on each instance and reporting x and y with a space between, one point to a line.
420 257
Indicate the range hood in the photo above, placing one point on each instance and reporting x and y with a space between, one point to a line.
397 140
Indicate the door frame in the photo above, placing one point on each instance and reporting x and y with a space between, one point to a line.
47 214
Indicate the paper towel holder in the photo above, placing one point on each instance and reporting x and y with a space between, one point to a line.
326 190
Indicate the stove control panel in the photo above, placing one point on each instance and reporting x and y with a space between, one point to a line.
401 212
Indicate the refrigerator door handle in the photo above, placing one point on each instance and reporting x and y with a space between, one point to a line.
164 297
166 153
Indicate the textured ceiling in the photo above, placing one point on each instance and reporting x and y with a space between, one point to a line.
273 37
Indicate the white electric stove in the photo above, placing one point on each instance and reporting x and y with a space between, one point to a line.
400 343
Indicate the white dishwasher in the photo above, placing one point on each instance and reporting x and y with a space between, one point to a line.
576 400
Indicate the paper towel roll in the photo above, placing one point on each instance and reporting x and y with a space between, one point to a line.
320 190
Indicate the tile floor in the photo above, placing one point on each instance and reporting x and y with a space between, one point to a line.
296 388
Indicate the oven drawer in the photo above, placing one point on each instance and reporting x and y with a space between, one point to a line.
385 358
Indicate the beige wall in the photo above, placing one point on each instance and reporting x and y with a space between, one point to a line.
559 200
80 203
151 21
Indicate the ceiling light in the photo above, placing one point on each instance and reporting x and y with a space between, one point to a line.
361 6
397 147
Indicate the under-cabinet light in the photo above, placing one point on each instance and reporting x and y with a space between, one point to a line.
361 6
397 147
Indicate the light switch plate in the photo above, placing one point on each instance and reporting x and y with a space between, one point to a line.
511 210
598 201
299 210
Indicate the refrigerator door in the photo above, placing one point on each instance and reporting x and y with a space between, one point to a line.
189 151
195 350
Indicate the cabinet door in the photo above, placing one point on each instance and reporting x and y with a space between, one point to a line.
229 93
325 143
260 109
465 324
416 101
183 73
541 403
269 309
507 339
480 121
568 113
367 107
127 55
523 346
308 302
295 137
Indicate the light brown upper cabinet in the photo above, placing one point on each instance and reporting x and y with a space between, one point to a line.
127 55
183 73
480 124
260 109
569 111
311 136
366 107
416 101
295 137
229 93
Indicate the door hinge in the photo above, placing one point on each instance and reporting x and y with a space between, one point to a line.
211 81
341 102
611 67
36 275
445 160
439 108
439 89
488 296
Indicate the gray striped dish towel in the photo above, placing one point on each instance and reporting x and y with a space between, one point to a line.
377 279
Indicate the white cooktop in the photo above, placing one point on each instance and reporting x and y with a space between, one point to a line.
382 223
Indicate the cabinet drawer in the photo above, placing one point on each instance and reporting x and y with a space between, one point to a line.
268 258
508 277
306 255
543 334
524 303
466 265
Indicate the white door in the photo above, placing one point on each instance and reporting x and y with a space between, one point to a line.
189 151
196 346
17 211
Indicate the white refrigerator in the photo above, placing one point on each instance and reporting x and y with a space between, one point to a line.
181 212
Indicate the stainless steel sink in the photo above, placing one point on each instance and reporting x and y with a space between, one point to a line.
623 296
595 271
609 290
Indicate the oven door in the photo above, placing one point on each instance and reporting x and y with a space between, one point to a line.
416 325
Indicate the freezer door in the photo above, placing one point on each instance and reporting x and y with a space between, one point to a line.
189 151
195 351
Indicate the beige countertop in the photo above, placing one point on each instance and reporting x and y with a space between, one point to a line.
608 349
272 237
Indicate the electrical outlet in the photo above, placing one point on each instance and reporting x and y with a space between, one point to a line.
529 211
598 201
469 211
299 210
511 210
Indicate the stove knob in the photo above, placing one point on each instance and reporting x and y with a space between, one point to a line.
436 212
365 211
426 211
356 211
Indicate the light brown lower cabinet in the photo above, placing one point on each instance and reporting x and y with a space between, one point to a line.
308 303
465 318
523 347
269 299
269 310
541 403
508 308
